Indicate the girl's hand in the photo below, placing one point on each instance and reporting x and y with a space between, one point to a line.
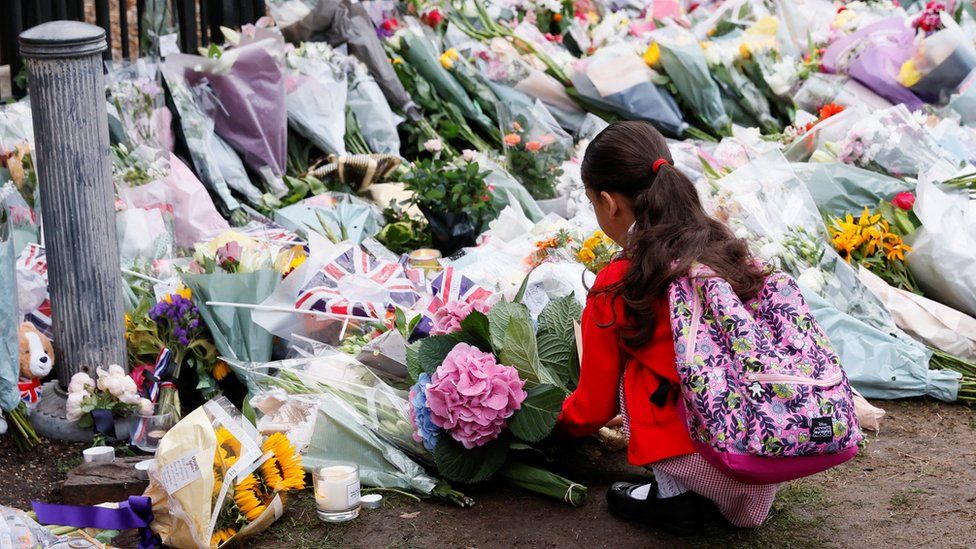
616 422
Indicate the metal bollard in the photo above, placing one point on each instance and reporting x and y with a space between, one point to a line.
74 173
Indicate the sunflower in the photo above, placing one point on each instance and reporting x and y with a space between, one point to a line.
228 448
222 536
283 471
247 497
586 255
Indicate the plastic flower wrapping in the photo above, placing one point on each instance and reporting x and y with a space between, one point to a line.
369 220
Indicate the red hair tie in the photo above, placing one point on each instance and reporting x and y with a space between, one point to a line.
658 163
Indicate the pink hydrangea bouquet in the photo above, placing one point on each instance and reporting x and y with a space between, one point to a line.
487 383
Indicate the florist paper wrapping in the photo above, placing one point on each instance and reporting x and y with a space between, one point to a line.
877 364
506 190
839 189
180 194
23 221
355 283
141 103
181 479
822 88
963 101
618 79
220 169
143 235
341 435
338 22
10 319
235 334
943 258
940 63
316 96
337 216
248 103
684 62
376 121
930 322
873 56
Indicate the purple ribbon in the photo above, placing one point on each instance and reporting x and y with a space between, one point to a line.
134 513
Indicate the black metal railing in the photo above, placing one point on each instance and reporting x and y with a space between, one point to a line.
198 23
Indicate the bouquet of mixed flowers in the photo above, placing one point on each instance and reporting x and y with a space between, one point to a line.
536 148
173 324
139 98
597 251
236 271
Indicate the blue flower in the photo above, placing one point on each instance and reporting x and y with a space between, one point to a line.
425 430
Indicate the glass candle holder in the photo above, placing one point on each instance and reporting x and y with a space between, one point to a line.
149 430
337 492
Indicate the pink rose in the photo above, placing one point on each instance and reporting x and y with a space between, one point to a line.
905 201
471 396
448 318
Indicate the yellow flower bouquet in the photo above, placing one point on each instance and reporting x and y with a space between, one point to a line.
873 241
597 251
215 481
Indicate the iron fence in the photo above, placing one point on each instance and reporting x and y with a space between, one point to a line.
198 23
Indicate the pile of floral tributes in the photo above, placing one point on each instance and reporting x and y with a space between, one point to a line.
272 190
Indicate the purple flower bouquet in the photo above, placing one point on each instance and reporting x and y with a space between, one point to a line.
247 103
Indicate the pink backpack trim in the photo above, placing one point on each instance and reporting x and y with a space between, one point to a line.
763 394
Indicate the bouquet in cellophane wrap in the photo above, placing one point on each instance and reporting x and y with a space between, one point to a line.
215 480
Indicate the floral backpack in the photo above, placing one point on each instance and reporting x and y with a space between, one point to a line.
762 392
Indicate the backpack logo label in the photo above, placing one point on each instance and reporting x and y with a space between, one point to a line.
822 429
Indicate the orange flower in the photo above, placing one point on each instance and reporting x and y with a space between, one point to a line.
557 17
533 146
512 139
829 110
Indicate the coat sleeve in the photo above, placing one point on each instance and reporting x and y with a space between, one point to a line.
595 401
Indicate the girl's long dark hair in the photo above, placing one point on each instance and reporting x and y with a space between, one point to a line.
672 230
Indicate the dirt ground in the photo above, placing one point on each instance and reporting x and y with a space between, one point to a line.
914 485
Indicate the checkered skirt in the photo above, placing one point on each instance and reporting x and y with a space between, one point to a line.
744 505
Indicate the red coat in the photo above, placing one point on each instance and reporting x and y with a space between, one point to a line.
656 432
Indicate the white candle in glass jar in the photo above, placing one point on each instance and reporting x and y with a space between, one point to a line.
337 488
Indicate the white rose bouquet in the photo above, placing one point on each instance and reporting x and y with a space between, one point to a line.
114 392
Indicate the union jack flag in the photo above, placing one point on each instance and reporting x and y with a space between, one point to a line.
340 286
446 287
30 391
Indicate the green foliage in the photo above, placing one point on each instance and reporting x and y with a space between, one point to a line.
537 417
451 187
459 464
557 339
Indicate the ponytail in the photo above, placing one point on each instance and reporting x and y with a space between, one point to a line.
671 229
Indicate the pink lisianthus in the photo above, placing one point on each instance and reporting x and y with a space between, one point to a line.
448 318
471 396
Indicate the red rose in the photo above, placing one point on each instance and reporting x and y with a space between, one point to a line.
905 201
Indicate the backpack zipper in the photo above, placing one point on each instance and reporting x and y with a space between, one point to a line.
795 380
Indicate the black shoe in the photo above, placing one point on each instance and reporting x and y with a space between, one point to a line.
678 515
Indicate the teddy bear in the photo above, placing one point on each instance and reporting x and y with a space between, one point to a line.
36 362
